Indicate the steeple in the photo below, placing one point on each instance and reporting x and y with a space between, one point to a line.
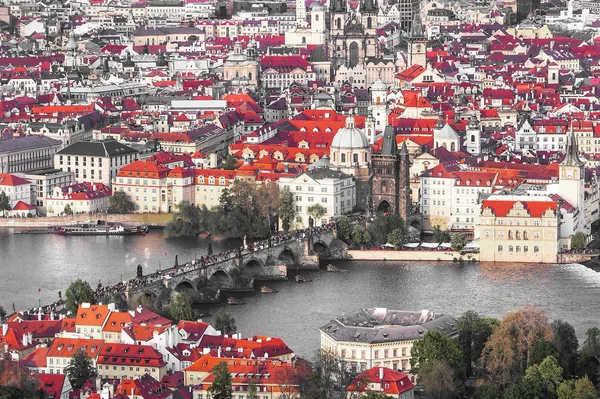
389 147
416 29
571 158
440 122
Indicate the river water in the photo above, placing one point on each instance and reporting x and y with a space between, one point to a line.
50 262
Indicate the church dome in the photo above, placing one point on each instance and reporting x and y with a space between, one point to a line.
350 136
379 85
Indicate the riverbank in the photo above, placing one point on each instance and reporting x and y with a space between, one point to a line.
429 256
152 220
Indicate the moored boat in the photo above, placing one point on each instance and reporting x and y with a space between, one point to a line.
267 290
48 230
301 279
332 268
232 301
101 228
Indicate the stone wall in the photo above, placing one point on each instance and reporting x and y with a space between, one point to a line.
150 219
575 258
384 255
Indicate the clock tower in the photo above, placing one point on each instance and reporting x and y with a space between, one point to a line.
417 43
571 181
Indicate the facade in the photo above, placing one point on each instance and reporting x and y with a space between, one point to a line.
23 154
519 229
390 185
82 198
382 380
379 337
122 361
43 183
16 189
333 190
97 162
62 350
146 183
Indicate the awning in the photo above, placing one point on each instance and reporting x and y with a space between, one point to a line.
411 245
446 245
430 244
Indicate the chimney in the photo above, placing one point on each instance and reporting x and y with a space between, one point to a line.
381 373
30 338
4 329
25 340
219 351
139 309
40 314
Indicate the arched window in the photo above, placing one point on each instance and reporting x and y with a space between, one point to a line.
334 157
338 24
500 249
343 158
369 23
452 147
366 159
355 158
525 237
510 234
303 40
510 248
249 75
518 235
518 248
472 138
525 248
316 17
536 249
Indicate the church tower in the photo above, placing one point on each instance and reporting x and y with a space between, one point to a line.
571 180
301 13
473 136
417 43
379 94
370 130
390 185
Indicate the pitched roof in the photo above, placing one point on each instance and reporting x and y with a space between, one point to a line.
97 149
12 180
67 347
535 208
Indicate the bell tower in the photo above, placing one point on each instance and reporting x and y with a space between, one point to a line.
417 43
571 180
473 136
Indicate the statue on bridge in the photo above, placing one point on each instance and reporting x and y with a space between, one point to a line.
140 271
209 252
202 261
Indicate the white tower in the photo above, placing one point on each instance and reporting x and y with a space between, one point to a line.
570 9
553 70
379 103
473 136
301 13
571 180
370 130
317 18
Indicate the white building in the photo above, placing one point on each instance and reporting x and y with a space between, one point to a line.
16 189
81 198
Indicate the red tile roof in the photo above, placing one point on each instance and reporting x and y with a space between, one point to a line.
12 180
66 347
124 354
392 382
501 208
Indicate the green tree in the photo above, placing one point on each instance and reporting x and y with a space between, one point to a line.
458 241
78 292
316 211
67 210
344 229
225 323
436 347
229 163
180 307
578 240
486 391
116 298
267 202
584 389
121 202
375 395
186 222
286 209
590 355
80 370
474 331
16 382
4 202
398 237
2 315
508 350
438 380
360 236
252 390
567 344
541 350
542 380
440 235
383 225
221 387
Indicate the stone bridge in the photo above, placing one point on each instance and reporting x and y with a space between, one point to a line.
237 270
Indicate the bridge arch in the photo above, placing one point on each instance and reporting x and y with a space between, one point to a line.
253 263
320 247
287 256
221 278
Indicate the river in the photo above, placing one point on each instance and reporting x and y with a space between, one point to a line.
50 262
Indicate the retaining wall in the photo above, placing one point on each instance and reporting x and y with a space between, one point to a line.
150 219
385 255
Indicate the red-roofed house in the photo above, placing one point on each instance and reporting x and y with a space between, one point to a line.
120 361
81 197
383 380
56 386
519 229
16 189
62 350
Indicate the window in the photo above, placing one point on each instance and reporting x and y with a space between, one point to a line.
324 200
510 248
323 189
311 199
500 249
536 249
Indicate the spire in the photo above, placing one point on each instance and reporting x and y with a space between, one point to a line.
416 29
571 158
404 149
389 146
440 122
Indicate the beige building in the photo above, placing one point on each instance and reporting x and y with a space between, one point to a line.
380 337
123 361
238 65
146 183
62 350
519 229
210 184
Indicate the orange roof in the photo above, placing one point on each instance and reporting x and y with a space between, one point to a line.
66 347
501 208
36 359
147 169
52 109
12 180
116 321
92 315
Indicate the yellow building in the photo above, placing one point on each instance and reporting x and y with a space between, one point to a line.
519 229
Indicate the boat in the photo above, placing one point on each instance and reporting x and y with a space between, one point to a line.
232 301
267 290
332 268
300 279
101 228
48 230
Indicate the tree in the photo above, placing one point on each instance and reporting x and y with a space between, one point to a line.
252 390
542 380
80 370
584 389
567 344
78 292
67 210
2 315
375 395
4 202
229 163
121 202
473 332
286 209
292 381
578 240
541 350
458 241
440 235
438 380
267 202
436 347
116 298
317 211
383 225
186 222
331 377
17 382
590 355
398 237
180 307
225 323
221 387
360 236
344 229
486 391
508 350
